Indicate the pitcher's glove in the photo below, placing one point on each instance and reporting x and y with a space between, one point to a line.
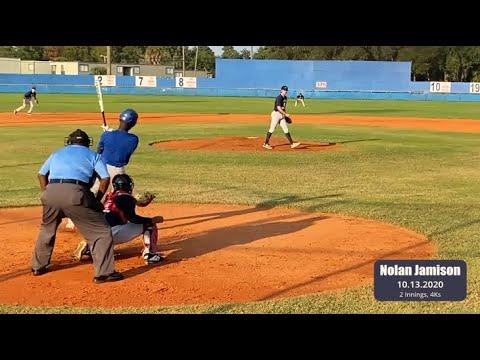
288 119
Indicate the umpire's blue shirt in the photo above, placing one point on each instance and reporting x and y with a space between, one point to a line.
74 162
117 146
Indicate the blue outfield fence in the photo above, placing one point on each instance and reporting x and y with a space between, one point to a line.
362 80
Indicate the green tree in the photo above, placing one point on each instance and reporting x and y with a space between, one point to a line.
205 61
166 55
128 54
228 52
81 53
29 52
7 51
245 54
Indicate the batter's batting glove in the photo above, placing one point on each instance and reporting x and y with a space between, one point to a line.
106 128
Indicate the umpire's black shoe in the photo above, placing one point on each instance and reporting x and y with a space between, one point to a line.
115 276
41 271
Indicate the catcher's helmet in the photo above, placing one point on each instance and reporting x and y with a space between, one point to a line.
129 116
284 87
34 87
122 182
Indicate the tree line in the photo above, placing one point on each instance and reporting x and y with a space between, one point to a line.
429 63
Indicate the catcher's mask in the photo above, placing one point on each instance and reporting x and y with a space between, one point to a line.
79 137
123 182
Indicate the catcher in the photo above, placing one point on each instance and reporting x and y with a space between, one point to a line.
126 225
279 116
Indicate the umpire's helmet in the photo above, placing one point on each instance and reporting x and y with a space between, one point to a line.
79 137
122 182
129 116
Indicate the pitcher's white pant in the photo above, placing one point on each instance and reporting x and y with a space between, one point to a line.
112 171
25 101
277 118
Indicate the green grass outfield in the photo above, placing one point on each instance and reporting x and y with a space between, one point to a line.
245 105
424 181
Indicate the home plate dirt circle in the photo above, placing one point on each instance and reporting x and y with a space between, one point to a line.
214 253
239 143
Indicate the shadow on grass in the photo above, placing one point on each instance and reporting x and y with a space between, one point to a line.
453 228
344 270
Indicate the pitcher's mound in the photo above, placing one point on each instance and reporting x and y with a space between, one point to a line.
238 143
214 253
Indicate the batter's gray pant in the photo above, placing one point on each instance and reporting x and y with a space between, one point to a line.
112 171
79 204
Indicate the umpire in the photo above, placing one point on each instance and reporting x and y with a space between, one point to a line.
65 178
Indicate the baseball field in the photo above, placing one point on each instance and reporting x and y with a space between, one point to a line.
248 230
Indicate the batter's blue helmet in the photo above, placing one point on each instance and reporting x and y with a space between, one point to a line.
129 116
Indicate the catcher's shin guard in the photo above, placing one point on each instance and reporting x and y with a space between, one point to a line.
150 238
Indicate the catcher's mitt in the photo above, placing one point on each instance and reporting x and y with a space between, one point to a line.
288 119
147 197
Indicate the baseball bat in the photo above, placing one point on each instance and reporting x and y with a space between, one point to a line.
98 87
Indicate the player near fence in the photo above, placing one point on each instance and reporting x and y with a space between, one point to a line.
279 116
28 99
300 98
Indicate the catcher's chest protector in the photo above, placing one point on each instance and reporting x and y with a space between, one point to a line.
111 206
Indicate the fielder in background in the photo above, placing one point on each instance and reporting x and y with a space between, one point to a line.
125 223
115 148
27 100
278 116
300 98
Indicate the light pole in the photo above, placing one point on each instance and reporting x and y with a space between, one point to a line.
196 59
183 60
109 60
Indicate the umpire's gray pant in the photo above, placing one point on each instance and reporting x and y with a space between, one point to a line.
79 204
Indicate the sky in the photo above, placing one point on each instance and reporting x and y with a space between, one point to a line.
218 49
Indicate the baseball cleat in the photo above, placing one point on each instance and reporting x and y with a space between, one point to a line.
14 112
151 258
29 113
267 146
294 145
81 250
